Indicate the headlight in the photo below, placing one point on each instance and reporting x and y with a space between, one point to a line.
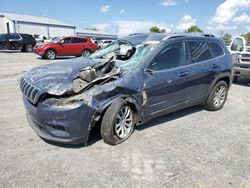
64 103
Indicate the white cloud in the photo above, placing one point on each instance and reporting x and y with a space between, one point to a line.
243 18
122 11
186 22
168 3
103 27
226 12
105 8
221 27
126 27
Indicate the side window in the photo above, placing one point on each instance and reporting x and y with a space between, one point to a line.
199 51
237 45
216 49
172 56
79 40
14 36
67 40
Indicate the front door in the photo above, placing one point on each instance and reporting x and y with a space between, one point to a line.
165 79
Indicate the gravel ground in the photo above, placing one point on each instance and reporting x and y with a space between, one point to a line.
190 148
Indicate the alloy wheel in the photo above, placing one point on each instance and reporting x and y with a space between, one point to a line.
124 122
219 96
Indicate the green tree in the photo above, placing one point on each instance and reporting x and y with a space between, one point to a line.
156 29
194 29
247 37
227 38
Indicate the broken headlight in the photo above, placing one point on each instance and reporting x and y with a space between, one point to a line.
65 102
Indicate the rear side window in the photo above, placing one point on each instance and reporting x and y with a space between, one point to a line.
199 51
79 40
216 49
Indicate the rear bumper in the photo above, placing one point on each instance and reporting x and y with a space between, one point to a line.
68 125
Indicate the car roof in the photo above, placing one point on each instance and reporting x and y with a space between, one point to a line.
139 38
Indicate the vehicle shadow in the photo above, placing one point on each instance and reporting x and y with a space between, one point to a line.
243 82
169 117
95 134
11 51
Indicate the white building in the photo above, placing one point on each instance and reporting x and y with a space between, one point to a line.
34 25
95 34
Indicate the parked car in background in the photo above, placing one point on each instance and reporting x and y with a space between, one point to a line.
167 73
40 38
66 46
240 50
51 39
125 52
17 41
105 43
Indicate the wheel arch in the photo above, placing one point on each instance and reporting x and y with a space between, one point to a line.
129 100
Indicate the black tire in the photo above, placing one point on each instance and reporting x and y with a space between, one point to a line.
86 53
109 123
50 54
235 79
210 103
28 48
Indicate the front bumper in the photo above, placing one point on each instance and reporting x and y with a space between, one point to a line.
242 70
68 125
39 51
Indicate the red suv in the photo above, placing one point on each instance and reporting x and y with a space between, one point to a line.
66 46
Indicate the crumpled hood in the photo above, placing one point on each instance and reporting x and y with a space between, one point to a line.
56 78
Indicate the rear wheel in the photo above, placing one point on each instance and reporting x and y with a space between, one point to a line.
28 48
86 53
50 54
217 97
117 123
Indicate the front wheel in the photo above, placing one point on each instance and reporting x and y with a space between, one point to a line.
50 54
217 97
117 123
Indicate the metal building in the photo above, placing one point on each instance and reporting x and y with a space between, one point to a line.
95 34
16 23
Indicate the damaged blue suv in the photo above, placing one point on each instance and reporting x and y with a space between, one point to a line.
165 73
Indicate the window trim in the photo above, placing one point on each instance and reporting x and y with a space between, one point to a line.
185 58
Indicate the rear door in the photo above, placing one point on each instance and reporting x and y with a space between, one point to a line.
166 79
79 44
3 41
204 68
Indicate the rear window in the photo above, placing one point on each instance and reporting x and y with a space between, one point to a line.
199 51
216 49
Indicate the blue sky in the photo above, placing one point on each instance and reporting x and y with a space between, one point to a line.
230 16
